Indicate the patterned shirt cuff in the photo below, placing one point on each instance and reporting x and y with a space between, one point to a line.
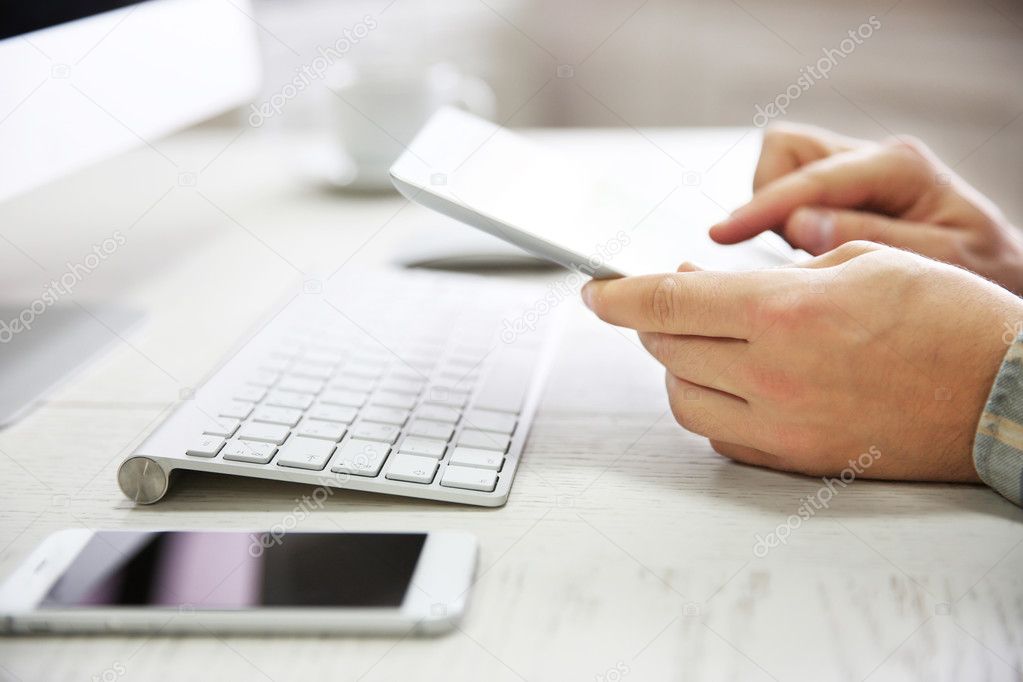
998 446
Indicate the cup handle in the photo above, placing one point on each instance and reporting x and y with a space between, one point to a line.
476 97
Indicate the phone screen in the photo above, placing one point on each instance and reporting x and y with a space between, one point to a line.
201 570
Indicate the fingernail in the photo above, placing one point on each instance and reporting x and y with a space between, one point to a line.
813 230
587 294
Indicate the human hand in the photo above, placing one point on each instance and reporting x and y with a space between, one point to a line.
804 368
819 190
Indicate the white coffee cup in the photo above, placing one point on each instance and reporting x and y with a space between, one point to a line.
377 108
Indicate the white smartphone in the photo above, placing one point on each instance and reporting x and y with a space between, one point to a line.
557 208
239 582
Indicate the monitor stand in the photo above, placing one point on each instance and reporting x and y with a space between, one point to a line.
62 339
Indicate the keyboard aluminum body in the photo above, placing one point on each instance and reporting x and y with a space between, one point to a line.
413 383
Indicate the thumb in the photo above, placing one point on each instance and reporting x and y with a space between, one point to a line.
689 267
818 230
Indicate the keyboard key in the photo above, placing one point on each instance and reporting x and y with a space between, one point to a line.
249 451
421 363
314 428
412 469
300 385
289 351
275 364
222 426
305 453
299 401
472 438
428 429
392 399
466 360
445 395
373 355
462 377
354 384
263 377
206 446
469 478
267 433
361 370
360 458
384 433
401 385
385 415
253 394
276 415
336 396
487 420
310 371
422 446
439 413
477 459
332 413
321 357
236 409
407 374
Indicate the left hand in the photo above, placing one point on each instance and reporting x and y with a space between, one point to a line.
818 190
804 368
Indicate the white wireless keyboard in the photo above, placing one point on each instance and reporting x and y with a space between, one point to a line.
408 383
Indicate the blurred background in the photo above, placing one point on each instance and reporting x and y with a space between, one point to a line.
947 71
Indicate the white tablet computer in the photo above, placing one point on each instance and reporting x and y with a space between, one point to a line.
555 207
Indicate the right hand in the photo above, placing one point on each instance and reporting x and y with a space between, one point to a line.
803 367
819 190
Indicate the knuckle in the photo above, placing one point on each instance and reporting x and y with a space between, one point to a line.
663 303
857 247
685 406
793 314
815 177
909 154
786 310
692 417
781 131
906 143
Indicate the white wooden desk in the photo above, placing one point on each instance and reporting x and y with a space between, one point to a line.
626 550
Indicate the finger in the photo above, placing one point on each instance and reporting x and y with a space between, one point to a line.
707 412
838 255
692 303
818 231
744 454
698 359
787 147
880 178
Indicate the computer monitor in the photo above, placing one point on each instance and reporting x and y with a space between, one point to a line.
84 80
